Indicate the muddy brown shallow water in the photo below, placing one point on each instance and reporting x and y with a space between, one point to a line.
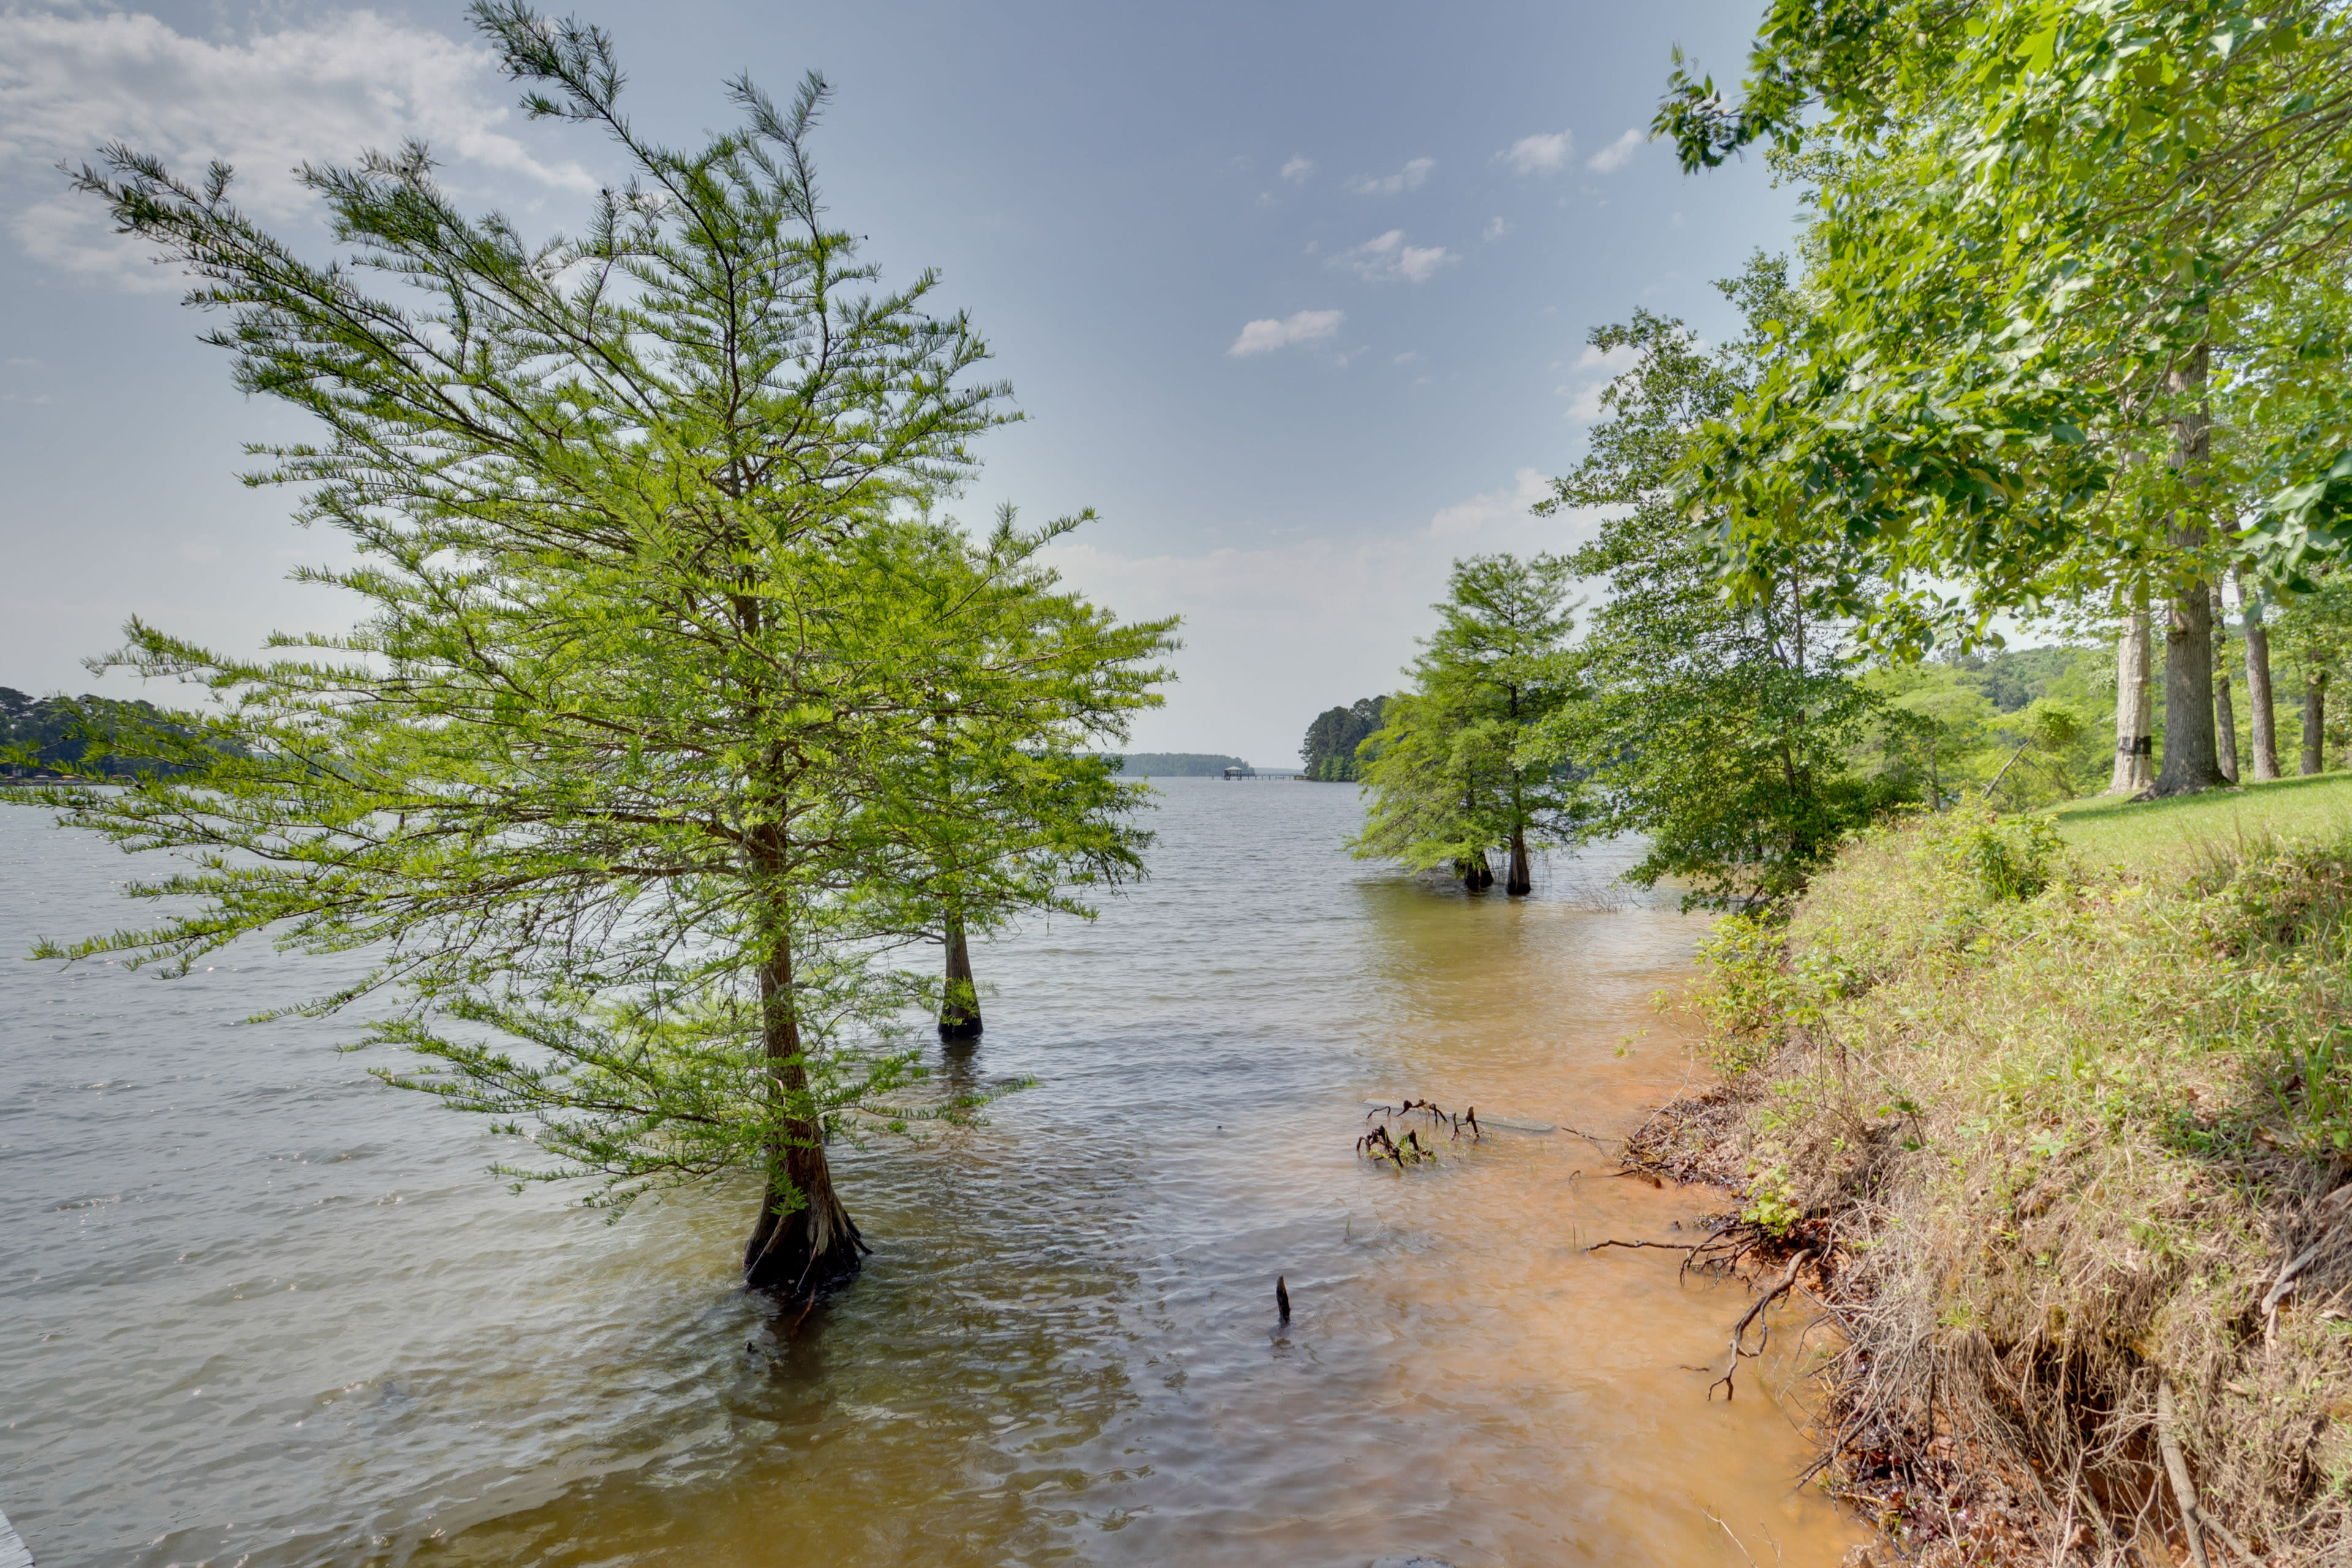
259 1309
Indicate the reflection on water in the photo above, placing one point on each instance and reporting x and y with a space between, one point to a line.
261 1310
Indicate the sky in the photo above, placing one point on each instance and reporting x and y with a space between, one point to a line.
1297 296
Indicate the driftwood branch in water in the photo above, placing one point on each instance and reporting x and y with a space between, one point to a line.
1780 1288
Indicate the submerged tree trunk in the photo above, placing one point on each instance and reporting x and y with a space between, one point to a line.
2225 718
804 1239
2134 744
1476 875
960 1004
2264 713
1522 878
2191 760
2314 723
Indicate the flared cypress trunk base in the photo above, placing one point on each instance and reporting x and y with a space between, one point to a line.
1522 878
809 1250
960 1006
1476 875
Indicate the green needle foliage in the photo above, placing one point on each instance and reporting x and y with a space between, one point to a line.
1444 772
668 714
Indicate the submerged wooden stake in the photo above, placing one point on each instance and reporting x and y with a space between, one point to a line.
1281 1299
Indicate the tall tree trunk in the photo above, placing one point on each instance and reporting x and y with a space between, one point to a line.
2135 743
1476 875
2314 723
804 1239
2191 760
2225 718
960 1004
2257 685
1522 878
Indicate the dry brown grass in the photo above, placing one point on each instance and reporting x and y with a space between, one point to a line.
2061 1129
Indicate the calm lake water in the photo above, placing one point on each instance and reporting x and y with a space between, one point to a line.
260 1309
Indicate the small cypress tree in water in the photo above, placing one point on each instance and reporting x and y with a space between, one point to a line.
1448 771
628 775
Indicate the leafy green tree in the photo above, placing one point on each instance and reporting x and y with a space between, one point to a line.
1723 730
1329 749
1444 774
655 652
2060 249
2313 637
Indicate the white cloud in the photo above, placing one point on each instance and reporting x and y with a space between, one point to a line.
1617 154
1408 178
323 92
1540 154
1387 258
1616 362
1494 506
1274 628
1405 358
1298 170
1585 405
1302 327
1496 230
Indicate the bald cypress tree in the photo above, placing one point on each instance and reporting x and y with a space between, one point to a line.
622 777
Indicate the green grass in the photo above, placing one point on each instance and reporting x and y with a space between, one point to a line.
2116 831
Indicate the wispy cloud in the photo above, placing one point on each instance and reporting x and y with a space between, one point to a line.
1546 154
1496 230
1602 369
1302 327
70 80
1298 170
1617 154
1409 178
1493 506
1387 258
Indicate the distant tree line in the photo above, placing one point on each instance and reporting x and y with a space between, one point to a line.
1174 764
1330 747
52 737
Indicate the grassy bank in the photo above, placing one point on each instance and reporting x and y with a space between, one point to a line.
2070 1123
2108 831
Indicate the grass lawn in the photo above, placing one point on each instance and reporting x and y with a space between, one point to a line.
2116 831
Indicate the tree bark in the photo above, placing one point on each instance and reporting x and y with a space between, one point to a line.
2134 744
2314 723
2191 761
960 1004
1476 875
2257 685
2225 718
804 1239
1522 878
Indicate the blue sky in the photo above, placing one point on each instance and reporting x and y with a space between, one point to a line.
1295 297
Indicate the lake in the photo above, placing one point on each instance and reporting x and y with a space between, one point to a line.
261 1310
